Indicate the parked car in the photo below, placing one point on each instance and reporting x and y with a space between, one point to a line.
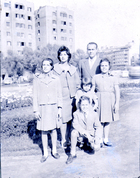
134 72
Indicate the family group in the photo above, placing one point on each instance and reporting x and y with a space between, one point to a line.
82 101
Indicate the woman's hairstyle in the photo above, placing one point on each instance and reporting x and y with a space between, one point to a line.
47 59
107 60
86 81
83 98
64 48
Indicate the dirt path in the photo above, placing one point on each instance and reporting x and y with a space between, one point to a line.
120 161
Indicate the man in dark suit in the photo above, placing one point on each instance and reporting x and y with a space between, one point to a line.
90 66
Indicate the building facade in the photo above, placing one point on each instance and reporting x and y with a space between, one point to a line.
119 57
17 26
54 25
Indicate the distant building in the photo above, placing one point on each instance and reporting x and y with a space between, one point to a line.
54 25
17 26
119 56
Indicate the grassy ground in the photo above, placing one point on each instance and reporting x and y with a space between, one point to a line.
19 126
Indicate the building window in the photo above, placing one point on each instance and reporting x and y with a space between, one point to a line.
22 25
22 16
9 43
63 38
54 22
38 24
54 37
54 13
6 5
29 18
7 24
70 24
7 14
22 34
63 30
38 32
30 44
70 31
63 14
54 30
29 26
22 44
8 33
17 24
21 7
16 6
38 39
18 33
29 9
70 16
63 22
16 15
38 16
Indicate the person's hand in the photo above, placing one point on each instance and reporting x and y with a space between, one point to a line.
37 115
59 112
116 108
87 135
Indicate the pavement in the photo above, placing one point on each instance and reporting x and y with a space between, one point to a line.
119 161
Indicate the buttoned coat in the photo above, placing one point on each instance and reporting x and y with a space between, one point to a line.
47 97
84 68
92 125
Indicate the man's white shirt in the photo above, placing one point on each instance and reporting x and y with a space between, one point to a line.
92 61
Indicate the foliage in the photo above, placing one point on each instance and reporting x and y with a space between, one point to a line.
30 60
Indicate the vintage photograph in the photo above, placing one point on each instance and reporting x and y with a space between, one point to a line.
70 88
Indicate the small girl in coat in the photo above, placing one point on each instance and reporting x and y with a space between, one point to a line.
47 104
86 90
108 94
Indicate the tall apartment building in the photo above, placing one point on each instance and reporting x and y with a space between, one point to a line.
119 56
54 25
17 26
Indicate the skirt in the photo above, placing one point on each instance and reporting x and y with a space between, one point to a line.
106 107
48 114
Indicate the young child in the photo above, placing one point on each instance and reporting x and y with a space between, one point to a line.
108 98
85 124
86 90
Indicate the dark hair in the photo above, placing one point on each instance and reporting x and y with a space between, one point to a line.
106 60
47 59
86 81
91 43
64 48
83 98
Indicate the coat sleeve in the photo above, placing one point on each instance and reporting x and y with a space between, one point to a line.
59 93
35 95
77 125
80 69
77 80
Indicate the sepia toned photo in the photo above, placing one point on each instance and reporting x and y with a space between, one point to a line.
70 88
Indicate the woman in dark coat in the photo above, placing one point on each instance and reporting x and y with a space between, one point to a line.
70 82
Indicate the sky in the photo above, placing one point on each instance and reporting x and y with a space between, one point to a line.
106 22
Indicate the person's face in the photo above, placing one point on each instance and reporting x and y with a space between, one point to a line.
104 67
46 67
91 50
85 106
63 57
86 87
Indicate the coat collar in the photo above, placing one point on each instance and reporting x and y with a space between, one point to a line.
59 70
